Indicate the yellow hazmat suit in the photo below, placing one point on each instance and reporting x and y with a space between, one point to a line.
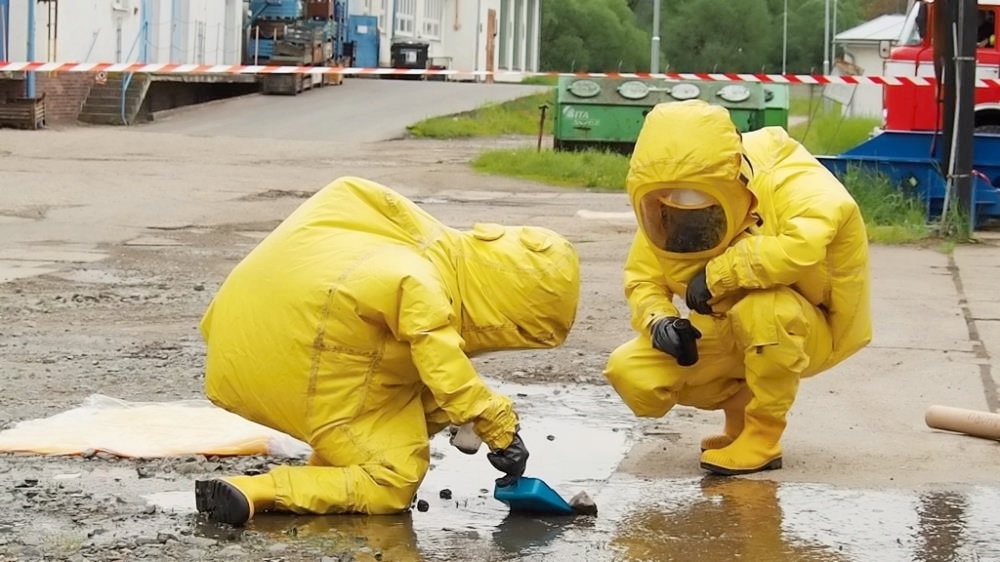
785 259
350 327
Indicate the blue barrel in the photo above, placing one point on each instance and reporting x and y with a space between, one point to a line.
276 9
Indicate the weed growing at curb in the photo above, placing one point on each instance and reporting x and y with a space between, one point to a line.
891 215
515 117
590 169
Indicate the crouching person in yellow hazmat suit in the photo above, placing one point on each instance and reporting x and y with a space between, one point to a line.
769 252
351 327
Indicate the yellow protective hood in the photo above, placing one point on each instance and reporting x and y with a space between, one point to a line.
693 145
515 287
519 287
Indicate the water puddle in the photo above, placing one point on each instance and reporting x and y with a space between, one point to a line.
717 518
576 440
179 501
99 277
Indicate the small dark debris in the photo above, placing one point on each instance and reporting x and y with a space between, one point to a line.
583 504
199 287
521 395
445 494
551 437
423 506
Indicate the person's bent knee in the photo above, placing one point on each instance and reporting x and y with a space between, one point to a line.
395 487
394 500
616 368
643 385
766 310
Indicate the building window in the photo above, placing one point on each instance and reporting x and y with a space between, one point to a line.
406 12
503 60
433 12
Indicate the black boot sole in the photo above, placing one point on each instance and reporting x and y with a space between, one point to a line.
222 501
770 465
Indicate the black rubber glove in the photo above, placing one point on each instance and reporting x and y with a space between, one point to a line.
511 461
676 337
698 295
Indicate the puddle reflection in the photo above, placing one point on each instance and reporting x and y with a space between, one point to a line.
393 536
733 519
520 535
718 518
941 527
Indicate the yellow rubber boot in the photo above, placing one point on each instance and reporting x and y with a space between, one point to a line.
757 448
735 410
234 500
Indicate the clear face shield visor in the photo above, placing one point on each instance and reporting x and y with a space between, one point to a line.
683 220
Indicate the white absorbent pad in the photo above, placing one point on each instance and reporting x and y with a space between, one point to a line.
148 429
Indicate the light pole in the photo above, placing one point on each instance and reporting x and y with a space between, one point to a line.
826 38
833 35
654 55
29 82
784 42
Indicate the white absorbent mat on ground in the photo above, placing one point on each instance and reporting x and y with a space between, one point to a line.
148 429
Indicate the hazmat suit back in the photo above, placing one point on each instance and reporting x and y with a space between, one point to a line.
350 327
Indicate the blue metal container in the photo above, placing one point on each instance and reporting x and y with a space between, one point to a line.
275 9
363 32
908 158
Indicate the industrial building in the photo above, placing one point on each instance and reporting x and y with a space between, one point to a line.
466 36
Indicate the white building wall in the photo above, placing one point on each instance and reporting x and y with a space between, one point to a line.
465 38
109 31
461 41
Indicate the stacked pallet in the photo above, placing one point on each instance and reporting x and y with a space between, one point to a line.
293 40
23 113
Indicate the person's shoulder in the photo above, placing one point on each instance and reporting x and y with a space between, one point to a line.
769 145
772 135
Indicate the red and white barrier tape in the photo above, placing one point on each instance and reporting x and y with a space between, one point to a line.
808 79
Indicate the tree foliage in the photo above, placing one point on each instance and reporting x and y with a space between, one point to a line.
708 35
591 35
697 35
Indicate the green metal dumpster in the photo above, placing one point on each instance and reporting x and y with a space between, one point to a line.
607 113
776 100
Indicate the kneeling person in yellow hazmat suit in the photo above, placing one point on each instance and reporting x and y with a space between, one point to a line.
770 253
351 327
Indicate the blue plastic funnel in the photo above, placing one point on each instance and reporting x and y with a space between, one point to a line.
531 495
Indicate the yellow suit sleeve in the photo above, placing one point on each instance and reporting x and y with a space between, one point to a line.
809 211
645 286
426 322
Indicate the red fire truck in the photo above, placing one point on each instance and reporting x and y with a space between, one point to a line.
913 148
913 108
